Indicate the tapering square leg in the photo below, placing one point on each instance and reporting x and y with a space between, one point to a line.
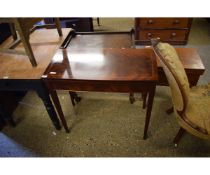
178 136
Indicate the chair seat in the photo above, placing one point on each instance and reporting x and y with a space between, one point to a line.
198 108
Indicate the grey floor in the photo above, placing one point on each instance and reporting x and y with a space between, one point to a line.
106 124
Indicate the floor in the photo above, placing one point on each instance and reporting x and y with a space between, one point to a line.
106 124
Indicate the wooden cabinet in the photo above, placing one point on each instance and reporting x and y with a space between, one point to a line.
171 30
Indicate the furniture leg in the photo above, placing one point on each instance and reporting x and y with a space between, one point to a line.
178 136
59 109
170 110
72 97
25 40
75 97
13 31
144 98
15 44
43 94
131 98
98 22
149 110
58 26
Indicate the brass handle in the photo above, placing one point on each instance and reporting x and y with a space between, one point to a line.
149 34
173 34
150 21
176 21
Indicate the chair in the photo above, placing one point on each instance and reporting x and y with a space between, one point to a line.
192 106
25 26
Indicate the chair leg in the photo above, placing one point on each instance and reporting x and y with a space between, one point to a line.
58 26
170 110
13 31
24 37
178 136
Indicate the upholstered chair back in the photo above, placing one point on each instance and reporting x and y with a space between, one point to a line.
175 73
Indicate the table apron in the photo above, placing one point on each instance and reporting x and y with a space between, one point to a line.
193 78
101 86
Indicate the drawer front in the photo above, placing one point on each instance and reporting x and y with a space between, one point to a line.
164 35
163 22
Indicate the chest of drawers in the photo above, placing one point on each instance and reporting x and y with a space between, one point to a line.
171 30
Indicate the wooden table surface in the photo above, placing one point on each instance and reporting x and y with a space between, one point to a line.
192 63
190 59
44 43
101 40
109 64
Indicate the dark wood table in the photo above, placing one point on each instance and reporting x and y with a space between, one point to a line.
192 63
193 66
102 63
17 74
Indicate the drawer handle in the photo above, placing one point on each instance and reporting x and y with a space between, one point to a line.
149 34
173 34
176 21
150 21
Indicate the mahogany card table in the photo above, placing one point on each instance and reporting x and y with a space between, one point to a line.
193 66
102 62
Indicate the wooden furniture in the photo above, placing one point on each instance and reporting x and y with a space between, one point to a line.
24 27
16 74
192 63
171 30
98 21
193 66
78 24
191 105
106 64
